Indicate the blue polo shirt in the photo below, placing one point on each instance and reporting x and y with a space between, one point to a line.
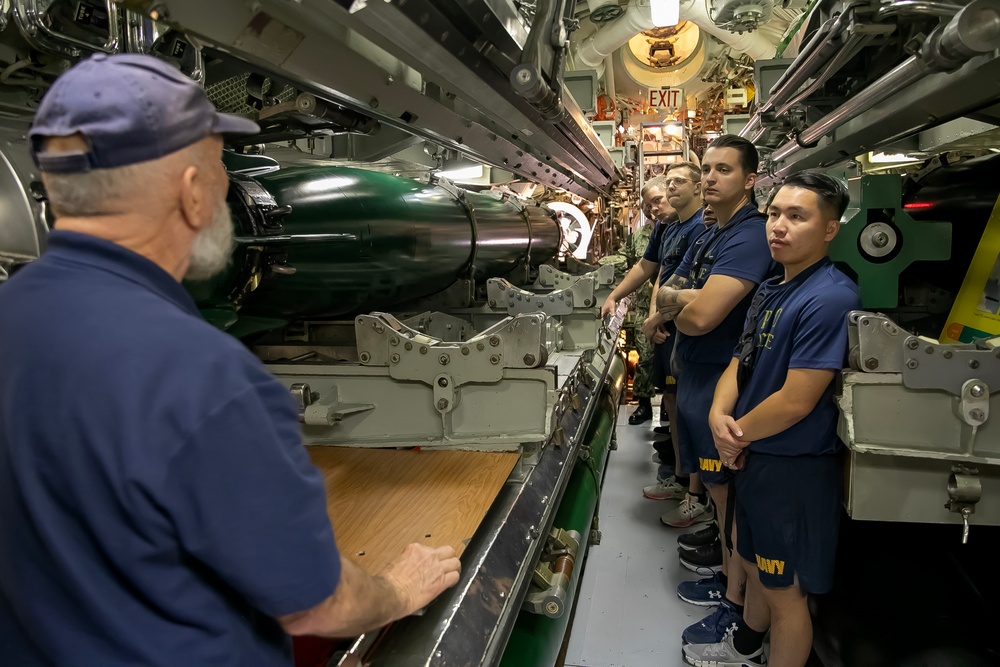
802 324
738 250
157 506
676 240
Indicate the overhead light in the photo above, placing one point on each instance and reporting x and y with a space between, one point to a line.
470 172
665 12
884 158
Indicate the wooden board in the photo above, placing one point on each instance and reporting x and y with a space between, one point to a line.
380 500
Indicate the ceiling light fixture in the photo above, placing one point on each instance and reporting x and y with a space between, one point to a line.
665 12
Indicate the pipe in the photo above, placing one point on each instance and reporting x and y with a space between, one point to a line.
973 31
848 50
612 36
810 58
753 44
943 9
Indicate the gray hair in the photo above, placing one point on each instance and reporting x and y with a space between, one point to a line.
657 182
96 192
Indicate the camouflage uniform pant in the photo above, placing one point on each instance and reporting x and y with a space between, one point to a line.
642 383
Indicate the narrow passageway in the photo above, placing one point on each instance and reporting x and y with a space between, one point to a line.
628 613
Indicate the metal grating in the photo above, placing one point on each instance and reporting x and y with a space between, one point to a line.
230 95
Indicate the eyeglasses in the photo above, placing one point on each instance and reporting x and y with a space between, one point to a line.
677 181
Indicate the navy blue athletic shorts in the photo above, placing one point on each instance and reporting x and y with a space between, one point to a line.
662 378
695 392
788 518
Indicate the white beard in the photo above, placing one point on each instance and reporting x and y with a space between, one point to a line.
212 249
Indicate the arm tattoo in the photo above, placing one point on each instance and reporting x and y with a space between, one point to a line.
676 282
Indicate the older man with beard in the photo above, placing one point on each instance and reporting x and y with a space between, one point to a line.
157 506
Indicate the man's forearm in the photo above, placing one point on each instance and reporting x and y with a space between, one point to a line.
726 392
652 298
778 412
361 602
634 279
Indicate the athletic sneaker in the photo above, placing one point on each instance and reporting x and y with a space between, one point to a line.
688 513
668 489
706 592
708 557
712 629
699 538
722 654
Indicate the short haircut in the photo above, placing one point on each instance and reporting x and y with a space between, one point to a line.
831 192
749 160
658 182
694 171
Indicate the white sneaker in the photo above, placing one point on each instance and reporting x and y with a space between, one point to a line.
668 489
688 513
723 654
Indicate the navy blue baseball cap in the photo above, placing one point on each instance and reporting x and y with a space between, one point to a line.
130 109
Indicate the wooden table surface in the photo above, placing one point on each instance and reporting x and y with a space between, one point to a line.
380 500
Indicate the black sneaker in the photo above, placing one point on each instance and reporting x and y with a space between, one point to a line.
708 557
699 538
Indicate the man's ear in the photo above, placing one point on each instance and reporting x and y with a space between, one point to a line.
751 181
832 228
193 199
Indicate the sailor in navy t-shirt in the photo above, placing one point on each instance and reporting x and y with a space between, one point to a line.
774 419
708 298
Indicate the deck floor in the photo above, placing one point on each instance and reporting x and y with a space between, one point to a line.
627 612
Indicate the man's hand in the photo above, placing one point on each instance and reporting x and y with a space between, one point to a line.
728 438
609 307
420 574
653 329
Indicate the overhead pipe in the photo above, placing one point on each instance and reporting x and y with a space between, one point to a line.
820 49
942 9
975 30
754 44
613 35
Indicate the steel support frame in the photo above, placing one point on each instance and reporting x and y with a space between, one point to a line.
464 101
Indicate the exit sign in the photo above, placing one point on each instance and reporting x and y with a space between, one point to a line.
666 98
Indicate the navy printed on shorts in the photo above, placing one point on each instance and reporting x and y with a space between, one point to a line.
788 518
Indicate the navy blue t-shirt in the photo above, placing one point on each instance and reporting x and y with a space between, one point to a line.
157 506
738 250
802 324
676 239
654 248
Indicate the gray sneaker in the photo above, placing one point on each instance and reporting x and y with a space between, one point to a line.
723 654
688 513
668 489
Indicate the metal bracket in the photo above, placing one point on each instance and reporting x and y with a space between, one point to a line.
503 295
515 342
316 410
964 492
550 277
879 345
553 573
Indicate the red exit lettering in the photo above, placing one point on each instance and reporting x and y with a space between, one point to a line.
665 98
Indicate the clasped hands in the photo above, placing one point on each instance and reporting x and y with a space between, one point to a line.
729 441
